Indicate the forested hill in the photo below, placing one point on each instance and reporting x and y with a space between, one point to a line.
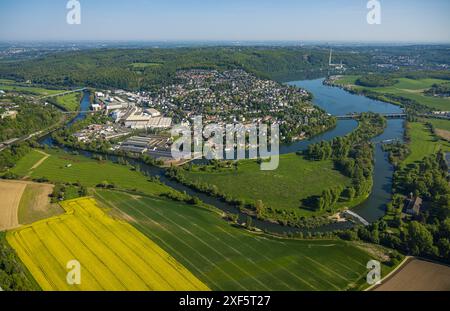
144 68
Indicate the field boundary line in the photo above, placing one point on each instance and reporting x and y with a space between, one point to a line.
50 255
33 267
268 259
240 254
157 237
212 248
193 249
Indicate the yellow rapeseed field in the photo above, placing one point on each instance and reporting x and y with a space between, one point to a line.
113 255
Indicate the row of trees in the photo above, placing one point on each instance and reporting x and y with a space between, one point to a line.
426 235
31 117
442 90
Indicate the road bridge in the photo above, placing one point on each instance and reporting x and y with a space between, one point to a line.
386 115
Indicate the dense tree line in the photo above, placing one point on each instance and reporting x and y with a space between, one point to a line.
428 234
9 157
13 274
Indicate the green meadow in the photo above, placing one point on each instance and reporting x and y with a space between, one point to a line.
227 258
10 86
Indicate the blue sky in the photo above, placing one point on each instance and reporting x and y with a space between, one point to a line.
324 20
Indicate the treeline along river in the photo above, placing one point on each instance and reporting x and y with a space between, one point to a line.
336 102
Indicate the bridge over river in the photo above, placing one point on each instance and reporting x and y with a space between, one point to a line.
386 115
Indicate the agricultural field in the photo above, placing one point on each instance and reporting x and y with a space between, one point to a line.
284 188
10 193
61 166
418 275
228 258
441 128
408 88
69 101
30 161
112 254
423 143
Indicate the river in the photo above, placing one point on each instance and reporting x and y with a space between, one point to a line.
336 102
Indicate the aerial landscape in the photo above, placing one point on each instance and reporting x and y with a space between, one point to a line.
208 155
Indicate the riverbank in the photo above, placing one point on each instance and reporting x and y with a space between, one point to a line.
343 127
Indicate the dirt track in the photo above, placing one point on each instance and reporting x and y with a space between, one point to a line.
443 134
10 192
418 275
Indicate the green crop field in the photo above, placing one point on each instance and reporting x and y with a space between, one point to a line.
228 258
347 80
61 166
408 88
144 65
70 101
35 203
423 143
9 86
295 179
